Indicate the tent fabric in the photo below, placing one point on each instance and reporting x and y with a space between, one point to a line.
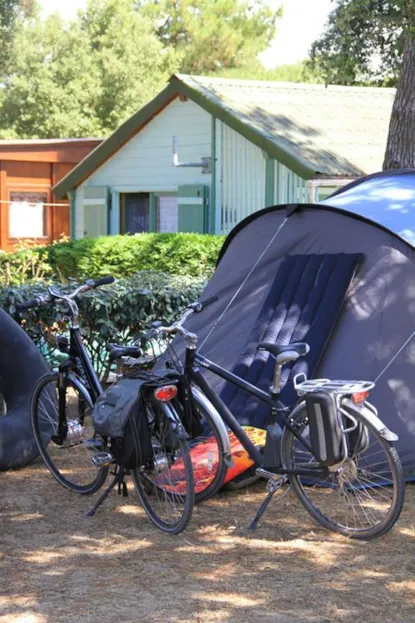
388 198
375 323
374 336
303 304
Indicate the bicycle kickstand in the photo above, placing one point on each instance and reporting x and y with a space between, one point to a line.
117 480
273 485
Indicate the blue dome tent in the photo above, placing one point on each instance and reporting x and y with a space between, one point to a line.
339 275
387 198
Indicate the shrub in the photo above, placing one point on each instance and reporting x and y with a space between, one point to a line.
120 312
29 263
123 256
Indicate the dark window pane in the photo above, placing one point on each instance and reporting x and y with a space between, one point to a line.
136 213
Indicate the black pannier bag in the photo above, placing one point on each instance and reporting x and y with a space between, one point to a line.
120 414
326 433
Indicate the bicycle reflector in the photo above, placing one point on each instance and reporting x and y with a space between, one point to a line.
360 397
165 393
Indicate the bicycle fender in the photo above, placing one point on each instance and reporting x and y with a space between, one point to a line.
178 428
206 404
369 413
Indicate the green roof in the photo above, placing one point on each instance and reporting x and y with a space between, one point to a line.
312 129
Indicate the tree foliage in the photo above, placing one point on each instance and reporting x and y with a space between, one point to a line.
212 34
11 11
85 78
297 72
363 42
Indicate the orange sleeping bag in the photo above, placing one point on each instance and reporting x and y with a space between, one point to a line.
204 456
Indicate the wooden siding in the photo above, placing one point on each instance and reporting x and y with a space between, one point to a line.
288 186
242 178
145 163
33 167
53 151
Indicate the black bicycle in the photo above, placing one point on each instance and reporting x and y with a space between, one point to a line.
76 456
332 447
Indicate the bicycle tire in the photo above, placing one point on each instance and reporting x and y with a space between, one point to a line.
360 488
70 463
211 436
159 486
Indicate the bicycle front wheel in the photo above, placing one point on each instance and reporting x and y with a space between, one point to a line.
68 459
363 497
165 485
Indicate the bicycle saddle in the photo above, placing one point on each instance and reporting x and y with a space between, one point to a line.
284 354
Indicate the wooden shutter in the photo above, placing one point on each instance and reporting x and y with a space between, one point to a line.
95 211
192 201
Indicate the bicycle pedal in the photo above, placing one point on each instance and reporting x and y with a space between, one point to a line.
93 444
102 459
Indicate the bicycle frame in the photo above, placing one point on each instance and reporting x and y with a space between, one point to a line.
191 370
80 361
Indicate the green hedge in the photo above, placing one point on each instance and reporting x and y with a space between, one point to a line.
121 256
119 313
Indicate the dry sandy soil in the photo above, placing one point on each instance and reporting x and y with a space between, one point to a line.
56 566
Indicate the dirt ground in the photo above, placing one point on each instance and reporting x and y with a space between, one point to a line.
56 566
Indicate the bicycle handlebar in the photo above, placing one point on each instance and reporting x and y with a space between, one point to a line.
176 327
103 281
39 301
29 304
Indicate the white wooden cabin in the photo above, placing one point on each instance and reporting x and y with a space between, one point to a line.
240 146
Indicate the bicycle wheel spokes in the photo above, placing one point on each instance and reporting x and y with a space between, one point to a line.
68 458
165 486
361 498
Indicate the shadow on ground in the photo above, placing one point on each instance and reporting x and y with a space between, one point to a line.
56 566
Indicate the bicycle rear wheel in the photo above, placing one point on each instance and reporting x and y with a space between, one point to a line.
165 485
68 461
362 498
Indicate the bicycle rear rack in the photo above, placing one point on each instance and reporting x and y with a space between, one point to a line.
302 385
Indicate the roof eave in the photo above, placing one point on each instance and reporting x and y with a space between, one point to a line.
302 167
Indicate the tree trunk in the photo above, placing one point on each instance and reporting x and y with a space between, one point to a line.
400 148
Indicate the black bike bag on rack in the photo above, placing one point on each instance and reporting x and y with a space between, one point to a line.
122 416
326 433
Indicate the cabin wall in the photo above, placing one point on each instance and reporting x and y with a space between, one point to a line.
288 186
242 178
145 164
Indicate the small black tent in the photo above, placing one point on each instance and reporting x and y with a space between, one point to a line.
333 277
